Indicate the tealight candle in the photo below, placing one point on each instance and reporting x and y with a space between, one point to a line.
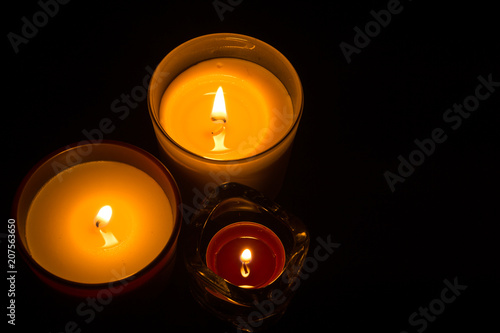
246 254
242 251
111 216
225 107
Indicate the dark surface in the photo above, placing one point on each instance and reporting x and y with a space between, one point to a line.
396 248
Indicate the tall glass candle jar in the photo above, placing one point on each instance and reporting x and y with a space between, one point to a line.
225 108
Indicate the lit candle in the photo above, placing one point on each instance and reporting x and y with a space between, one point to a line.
100 220
244 251
247 254
63 231
225 107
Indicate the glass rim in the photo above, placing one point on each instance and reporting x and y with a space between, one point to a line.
74 287
225 36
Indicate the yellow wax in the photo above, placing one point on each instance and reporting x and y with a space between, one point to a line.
259 108
62 235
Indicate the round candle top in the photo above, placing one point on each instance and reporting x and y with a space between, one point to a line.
246 254
226 109
97 220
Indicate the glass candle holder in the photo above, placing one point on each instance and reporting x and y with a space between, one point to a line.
84 219
225 108
234 220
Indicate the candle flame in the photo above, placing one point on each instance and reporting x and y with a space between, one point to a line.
103 216
219 117
219 113
246 257
101 220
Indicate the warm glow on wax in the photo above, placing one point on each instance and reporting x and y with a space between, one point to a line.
225 109
116 218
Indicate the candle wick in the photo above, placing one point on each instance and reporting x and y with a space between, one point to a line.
222 122
245 271
219 131
218 119
220 134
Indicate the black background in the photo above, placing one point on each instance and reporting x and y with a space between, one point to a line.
396 248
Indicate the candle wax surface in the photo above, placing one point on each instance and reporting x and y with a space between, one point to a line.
62 236
259 110
261 267
267 254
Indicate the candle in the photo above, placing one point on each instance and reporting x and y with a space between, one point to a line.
225 107
63 231
246 254
108 213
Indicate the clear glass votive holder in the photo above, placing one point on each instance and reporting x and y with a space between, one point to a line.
247 308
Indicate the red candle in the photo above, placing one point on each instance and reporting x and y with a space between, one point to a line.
247 254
